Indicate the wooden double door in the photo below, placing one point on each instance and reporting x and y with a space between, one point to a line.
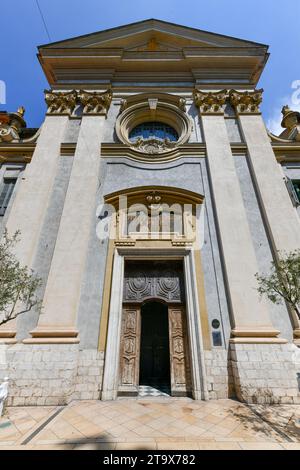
154 348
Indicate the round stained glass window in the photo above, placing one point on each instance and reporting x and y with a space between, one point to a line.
157 130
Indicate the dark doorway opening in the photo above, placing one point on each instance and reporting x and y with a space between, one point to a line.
155 352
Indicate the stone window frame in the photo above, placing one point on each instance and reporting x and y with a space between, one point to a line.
168 109
13 171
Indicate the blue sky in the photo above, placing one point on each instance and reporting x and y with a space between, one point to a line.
270 22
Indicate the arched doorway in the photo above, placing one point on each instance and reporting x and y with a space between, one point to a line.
154 348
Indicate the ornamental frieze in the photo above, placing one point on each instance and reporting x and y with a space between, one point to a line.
246 102
95 103
210 102
148 282
60 102
153 146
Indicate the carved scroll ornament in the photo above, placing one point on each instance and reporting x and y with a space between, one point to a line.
59 102
95 102
165 284
210 102
246 102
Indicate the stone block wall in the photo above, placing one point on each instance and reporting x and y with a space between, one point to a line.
50 374
266 373
55 374
219 375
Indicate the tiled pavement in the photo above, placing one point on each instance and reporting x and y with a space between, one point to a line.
149 423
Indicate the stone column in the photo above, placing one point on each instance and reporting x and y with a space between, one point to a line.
251 317
30 204
57 322
280 216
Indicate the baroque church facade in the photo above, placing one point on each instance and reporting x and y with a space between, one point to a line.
147 201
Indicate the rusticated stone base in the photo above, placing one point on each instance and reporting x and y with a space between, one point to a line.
219 375
266 373
50 374
56 374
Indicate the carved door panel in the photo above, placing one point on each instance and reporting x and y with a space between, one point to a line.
130 350
179 352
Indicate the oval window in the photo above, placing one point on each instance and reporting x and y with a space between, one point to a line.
157 130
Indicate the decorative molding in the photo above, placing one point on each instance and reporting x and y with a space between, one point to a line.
16 152
153 146
129 350
246 102
126 242
124 150
149 282
210 102
112 356
179 352
59 102
95 103
169 109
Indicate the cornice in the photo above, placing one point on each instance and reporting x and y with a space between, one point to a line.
287 153
17 152
122 150
196 149
178 49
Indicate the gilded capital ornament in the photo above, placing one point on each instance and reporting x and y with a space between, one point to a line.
60 102
210 102
95 103
246 102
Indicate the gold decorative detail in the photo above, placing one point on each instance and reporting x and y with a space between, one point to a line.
94 102
11 125
152 45
123 105
21 111
210 102
59 102
124 242
246 102
153 197
182 103
182 243
153 146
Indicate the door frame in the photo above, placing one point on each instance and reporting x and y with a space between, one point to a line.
112 354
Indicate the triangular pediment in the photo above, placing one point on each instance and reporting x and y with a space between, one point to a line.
153 51
141 34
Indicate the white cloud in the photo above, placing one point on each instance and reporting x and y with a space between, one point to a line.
274 122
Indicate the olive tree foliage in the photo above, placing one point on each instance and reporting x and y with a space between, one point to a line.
18 284
283 281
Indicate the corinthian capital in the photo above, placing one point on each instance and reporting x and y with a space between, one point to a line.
246 102
60 102
95 103
210 102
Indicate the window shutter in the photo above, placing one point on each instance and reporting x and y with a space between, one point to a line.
5 194
292 192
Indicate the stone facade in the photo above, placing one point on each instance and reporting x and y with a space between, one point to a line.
48 374
266 373
83 158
